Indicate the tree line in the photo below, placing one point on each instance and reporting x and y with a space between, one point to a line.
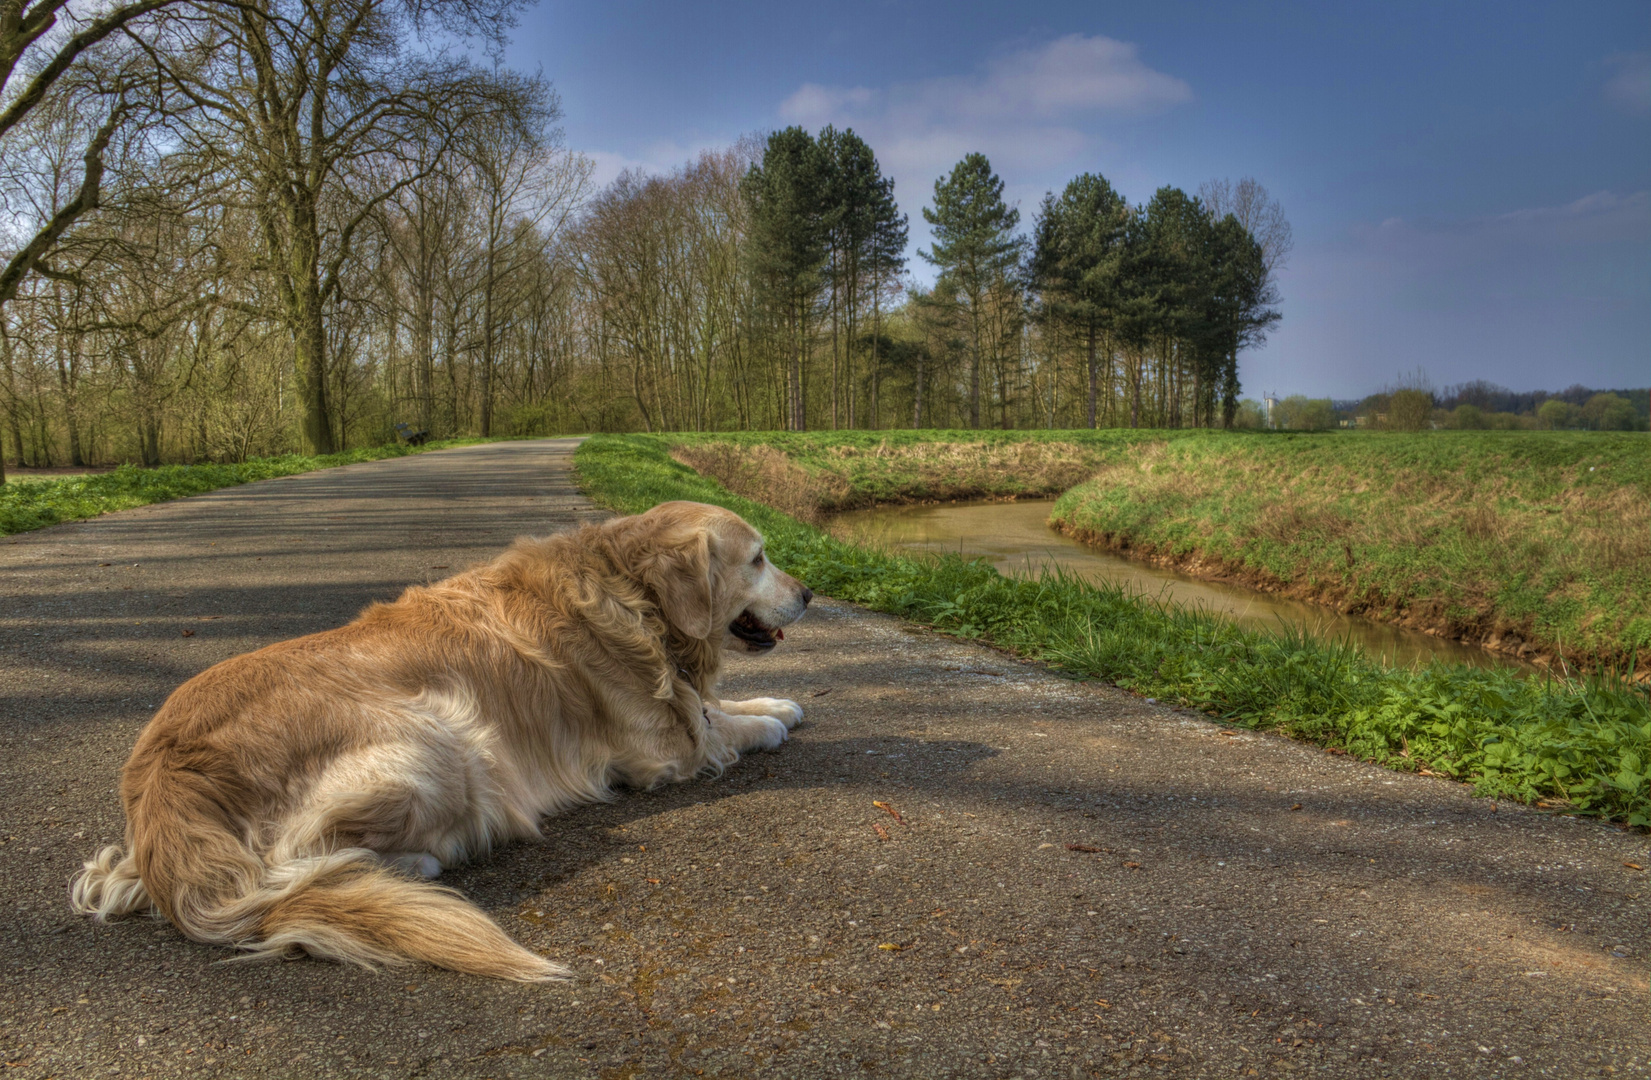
236 229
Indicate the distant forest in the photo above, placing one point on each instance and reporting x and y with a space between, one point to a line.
235 230
1472 406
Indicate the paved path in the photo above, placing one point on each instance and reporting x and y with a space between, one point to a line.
1234 905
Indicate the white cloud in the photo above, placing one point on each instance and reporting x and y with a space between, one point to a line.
1630 87
1024 106
608 166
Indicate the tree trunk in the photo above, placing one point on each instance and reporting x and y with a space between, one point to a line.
917 407
974 366
487 344
1094 376
1135 396
1229 390
310 333
309 329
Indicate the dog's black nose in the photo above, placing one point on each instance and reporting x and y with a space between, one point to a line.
808 594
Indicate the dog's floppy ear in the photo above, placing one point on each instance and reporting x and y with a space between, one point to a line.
681 578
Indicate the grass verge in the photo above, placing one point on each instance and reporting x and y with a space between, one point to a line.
34 504
1583 745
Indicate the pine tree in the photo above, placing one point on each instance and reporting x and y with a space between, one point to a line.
1077 251
787 250
975 248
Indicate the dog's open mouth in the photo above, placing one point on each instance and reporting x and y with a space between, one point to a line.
749 629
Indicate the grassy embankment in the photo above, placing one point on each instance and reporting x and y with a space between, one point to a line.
1581 744
1534 543
1537 543
29 503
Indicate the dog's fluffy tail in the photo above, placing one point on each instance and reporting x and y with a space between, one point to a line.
346 905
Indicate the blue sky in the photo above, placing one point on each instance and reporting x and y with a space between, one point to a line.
1469 184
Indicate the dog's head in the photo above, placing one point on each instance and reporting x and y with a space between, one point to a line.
711 575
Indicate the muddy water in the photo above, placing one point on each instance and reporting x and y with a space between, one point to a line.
1013 536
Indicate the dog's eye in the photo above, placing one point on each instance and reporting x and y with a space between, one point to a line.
758 560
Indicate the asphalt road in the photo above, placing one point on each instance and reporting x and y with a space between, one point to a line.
960 865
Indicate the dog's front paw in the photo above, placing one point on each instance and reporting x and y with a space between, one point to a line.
787 712
776 732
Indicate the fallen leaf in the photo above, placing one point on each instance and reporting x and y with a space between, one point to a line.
654 881
1297 806
1084 847
889 946
189 633
1634 866
1132 866
882 833
892 812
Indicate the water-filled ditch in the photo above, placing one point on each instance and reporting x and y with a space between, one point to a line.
1014 536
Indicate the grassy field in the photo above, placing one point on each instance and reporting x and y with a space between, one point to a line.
1581 744
34 503
1535 543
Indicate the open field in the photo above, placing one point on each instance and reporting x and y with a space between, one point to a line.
33 502
1533 543
1584 744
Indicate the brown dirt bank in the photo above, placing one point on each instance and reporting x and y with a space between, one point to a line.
899 475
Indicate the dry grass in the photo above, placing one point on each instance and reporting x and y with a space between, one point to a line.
766 475
837 477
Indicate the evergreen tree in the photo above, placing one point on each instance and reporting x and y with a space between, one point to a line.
787 249
861 222
975 248
1077 252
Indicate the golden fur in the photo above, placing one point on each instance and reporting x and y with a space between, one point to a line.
292 798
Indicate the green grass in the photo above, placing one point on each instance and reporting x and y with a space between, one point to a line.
1583 744
35 503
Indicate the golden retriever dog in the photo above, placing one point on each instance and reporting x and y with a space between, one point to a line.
295 798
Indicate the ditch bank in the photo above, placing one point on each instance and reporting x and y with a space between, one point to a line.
1532 544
